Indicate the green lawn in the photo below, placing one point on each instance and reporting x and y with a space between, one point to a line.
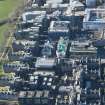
7 6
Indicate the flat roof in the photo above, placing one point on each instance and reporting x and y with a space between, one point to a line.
34 13
22 94
30 94
54 1
59 26
45 62
25 42
94 15
82 47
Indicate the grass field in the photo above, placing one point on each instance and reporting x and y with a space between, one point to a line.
6 8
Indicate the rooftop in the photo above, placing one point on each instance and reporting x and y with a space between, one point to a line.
28 16
54 2
25 42
45 62
83 47
59 26
95 15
